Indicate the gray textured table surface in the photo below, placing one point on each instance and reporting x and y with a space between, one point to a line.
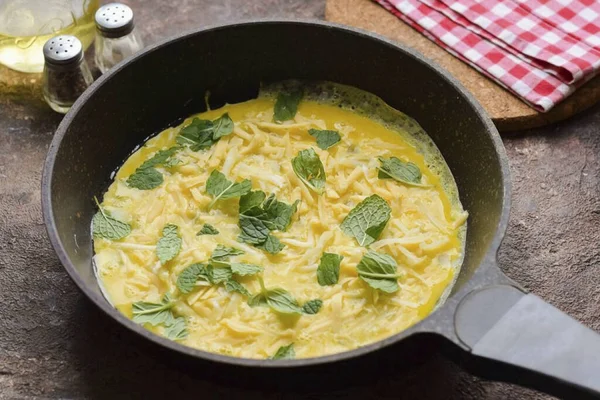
55 344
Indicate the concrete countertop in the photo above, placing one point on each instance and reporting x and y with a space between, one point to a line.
55 344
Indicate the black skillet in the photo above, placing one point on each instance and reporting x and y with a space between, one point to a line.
489 323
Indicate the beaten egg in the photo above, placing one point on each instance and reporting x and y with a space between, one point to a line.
174 217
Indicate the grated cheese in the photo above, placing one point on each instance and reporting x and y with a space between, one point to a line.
422 235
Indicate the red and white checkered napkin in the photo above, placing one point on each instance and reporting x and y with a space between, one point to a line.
541 50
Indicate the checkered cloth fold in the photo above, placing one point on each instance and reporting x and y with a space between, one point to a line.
541 50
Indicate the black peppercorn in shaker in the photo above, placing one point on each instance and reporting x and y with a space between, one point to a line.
66 74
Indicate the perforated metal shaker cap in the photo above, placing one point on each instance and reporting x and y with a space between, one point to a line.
62 50
114 20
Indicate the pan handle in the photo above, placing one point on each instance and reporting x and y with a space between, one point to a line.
517 337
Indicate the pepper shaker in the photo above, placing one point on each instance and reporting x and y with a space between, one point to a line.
116 36
66 74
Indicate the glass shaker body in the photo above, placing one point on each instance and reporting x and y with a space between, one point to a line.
66 74
111 51
116 36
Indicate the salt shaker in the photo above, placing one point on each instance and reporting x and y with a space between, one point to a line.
66 74
116 37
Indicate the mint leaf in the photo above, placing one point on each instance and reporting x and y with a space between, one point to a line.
385 285
281 301
242 269
219 275
366 221
405 172
254 230
106 227
177 330
271 245
258 300
160 157
285 353
145 179
207 229
258 218
169 244
233 286
251 200
278 214
186 281
308 167
198 134
328 272
277 299
379 271
160 314
172 162
222 253
325 138
286 105
153 313
220 187
222 126
201 134
312 307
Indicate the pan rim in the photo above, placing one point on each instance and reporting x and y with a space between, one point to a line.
113 313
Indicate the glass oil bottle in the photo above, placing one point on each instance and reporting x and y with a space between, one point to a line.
25 25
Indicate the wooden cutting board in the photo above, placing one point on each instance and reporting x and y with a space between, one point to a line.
508 112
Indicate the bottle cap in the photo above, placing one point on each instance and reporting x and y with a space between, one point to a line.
114 20
63 49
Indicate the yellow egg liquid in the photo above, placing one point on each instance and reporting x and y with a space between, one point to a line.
425 234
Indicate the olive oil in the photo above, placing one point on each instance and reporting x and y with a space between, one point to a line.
25 25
